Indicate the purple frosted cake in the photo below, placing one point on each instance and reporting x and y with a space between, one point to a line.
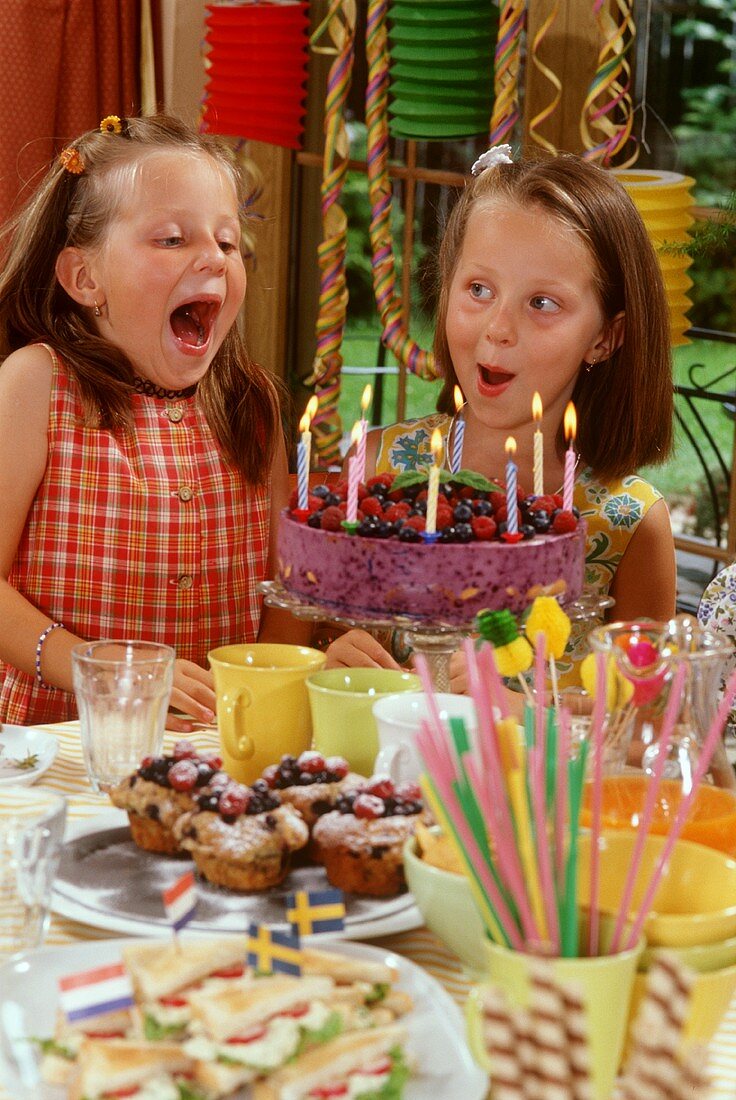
385 569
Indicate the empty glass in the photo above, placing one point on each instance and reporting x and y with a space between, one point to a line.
32 824
122 691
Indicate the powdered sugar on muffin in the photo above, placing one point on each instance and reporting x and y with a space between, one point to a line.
311 782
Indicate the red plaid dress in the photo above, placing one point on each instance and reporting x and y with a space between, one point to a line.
146 533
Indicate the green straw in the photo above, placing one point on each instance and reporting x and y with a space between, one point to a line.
551 760
569 916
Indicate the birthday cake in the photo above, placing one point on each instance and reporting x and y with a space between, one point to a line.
385 569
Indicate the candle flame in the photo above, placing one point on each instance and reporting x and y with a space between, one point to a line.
356 433
309 412
510 446
537 408
436 445
366 398
459 399
570 421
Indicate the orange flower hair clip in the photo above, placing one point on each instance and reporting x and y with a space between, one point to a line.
111 124
71 159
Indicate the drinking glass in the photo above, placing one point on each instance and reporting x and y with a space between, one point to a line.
122 690
31 833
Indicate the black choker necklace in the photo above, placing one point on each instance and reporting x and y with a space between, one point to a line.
143 385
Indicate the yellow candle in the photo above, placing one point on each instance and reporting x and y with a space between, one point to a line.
538 447
434 482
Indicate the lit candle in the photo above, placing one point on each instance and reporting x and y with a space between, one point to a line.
538 446
512 521
434 482
459 432
360 452
353 478
303 453
571 424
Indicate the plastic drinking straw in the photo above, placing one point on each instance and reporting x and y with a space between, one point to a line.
551 761
668 725
563 755
445 806
520 806
537 773
710 744
599 707
496 686
420 664
569 932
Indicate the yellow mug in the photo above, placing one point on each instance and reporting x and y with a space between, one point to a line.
341 701
605 983
262 704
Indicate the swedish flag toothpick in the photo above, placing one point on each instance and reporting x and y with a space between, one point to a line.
310 911
270 951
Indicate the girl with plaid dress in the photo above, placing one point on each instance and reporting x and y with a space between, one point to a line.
142 462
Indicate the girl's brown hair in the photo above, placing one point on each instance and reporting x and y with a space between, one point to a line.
239 398
625 405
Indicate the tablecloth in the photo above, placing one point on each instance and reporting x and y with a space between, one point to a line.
418 945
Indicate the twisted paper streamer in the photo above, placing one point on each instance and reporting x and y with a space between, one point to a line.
505 115
395 334
553 79
607 116
333 298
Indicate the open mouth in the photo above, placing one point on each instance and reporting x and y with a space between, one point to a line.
494 376
192 322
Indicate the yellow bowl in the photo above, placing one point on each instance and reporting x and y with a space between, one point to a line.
695 902
702 957
446 902
709 1000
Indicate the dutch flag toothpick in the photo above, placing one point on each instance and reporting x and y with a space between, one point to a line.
95 992
180 901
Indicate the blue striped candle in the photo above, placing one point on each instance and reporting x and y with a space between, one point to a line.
512 524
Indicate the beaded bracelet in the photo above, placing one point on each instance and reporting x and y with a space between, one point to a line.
39 646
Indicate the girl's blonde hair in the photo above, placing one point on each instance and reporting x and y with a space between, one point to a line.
625 405
240 399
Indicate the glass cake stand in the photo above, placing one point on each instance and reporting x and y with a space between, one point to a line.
434 639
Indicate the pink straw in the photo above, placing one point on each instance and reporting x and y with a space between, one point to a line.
420 664
537 770
479 860
599 708
496 686
668 725
710 745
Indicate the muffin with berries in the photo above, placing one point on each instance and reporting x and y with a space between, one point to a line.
163 788
311 782
361 841
241 837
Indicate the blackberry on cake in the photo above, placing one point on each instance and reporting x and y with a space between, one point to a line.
311 782
360 842
161 789
242 837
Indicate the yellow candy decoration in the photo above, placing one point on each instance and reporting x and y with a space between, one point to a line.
548 618
514 658
618 689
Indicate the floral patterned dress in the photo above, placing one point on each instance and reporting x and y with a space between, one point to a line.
612 512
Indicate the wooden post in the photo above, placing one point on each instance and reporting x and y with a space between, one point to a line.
570 49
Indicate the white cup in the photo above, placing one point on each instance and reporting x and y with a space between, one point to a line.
31 834
122 690
398 717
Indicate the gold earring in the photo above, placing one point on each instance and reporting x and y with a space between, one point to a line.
589 366
98 311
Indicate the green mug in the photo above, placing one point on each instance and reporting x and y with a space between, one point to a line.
341 701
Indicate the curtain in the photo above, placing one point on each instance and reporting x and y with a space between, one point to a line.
64 65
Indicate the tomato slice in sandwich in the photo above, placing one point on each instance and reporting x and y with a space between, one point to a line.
250 1036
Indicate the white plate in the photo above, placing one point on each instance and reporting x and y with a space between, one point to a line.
436 1043
16 743
106 881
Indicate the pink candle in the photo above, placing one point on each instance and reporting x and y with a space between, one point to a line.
538 446
571 424
354 472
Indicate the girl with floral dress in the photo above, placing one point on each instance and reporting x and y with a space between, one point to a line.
549 284
142 461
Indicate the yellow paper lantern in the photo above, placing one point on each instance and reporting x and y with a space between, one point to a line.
664 200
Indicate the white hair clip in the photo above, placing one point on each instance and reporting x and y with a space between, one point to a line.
497 154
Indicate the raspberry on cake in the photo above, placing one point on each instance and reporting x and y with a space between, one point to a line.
471 567
242 837
161 790
361 841
311 783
